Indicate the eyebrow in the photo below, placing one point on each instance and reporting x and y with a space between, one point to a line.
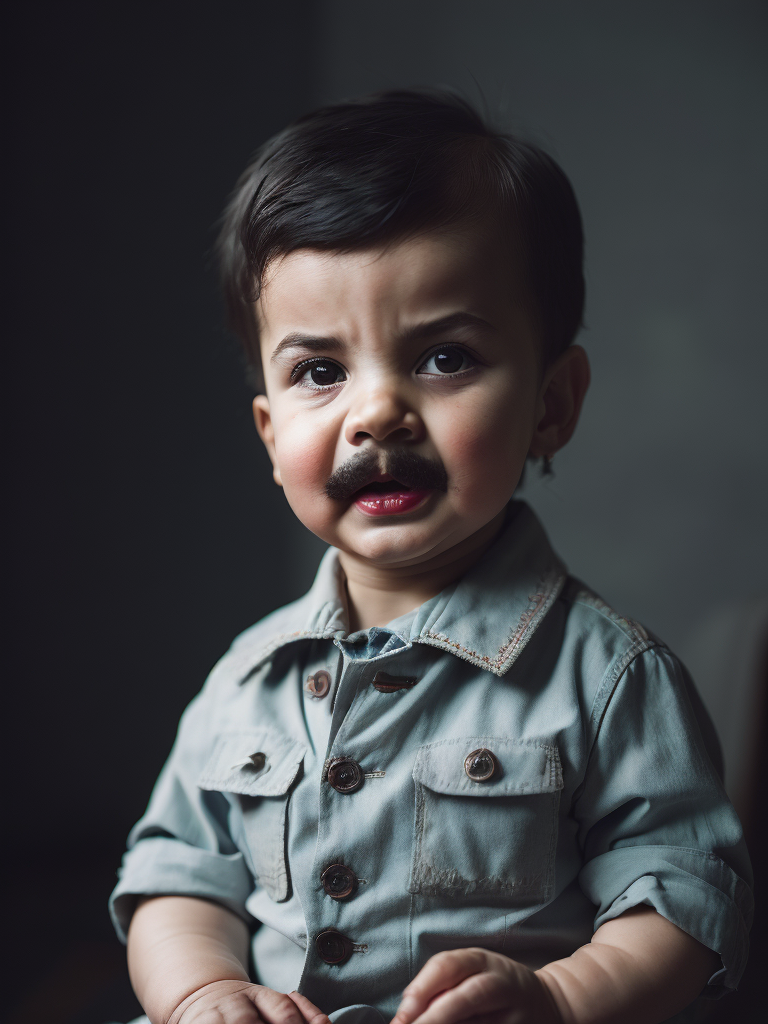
306 341
419 332
446 324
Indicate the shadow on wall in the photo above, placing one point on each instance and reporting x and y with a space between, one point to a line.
727 654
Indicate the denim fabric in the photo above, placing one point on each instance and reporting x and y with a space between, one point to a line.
604 796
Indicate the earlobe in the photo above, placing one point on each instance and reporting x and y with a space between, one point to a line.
263 420
562 394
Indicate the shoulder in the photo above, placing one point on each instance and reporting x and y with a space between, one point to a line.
277 627
612 652
589 611
599 643
604 630
255 645
224 702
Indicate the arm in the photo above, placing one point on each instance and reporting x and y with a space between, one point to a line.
638 969
187 957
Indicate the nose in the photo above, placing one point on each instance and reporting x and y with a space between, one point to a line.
381 413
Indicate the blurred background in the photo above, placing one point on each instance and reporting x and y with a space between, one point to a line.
147 531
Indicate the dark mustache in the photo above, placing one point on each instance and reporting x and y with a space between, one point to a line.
406 466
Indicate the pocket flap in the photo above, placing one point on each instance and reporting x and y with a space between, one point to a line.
255 763
522 766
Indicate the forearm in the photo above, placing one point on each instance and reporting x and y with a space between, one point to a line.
638 969
177 945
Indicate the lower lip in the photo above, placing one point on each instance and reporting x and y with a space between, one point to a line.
393 504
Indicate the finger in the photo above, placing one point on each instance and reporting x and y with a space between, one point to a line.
241 1012
478 996
442 971
276 1007
311 1013
234 1008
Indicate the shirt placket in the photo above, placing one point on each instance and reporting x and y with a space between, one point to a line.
340 903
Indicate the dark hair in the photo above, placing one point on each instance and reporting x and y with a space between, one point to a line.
362 173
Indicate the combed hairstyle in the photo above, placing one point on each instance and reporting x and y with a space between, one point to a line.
385 167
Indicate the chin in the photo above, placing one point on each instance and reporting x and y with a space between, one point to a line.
380 551
391 546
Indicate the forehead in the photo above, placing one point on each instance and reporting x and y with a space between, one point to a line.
468 269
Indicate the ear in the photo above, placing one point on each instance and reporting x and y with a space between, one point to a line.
560 398
263 420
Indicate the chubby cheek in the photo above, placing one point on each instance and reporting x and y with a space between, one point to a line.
484 456
305 462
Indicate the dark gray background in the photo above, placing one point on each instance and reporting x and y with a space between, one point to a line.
147 529
657 113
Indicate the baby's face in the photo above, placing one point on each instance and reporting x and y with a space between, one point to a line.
402 391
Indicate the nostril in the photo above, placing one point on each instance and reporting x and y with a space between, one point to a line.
383 423
401 434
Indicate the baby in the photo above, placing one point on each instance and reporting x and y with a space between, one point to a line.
449 783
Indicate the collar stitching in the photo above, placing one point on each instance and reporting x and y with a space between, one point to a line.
454 643
539 601
536 601
548 585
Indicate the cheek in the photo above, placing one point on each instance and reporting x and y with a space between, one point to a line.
486 450
305 460
299 442
302 464
301 455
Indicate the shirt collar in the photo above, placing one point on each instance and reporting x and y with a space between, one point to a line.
486 617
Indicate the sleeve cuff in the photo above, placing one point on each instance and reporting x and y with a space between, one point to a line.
697 892
159 866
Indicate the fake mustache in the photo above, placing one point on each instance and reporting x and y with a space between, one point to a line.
407 467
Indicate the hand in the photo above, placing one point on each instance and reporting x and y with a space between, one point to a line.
476 985
239 1002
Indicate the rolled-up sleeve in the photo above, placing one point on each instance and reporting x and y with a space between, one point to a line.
656 825
182 845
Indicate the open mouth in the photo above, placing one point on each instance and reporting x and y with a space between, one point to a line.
388 498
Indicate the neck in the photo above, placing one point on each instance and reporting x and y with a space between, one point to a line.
378 594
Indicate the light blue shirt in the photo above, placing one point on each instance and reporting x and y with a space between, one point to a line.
601 796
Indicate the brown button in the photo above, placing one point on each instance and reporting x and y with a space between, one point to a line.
339 881
319 684
256 761
385 683
480 765
332 946
345 775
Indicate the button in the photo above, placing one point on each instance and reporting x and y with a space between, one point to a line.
345 775
385 683
332 946
319 684
256 761
480 765
338 881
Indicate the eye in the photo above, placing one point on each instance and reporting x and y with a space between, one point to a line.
317 374
446 361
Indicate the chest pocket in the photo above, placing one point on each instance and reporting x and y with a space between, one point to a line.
256 770
490 836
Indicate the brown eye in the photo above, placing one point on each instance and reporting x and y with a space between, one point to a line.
319 374
447 360
325 373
